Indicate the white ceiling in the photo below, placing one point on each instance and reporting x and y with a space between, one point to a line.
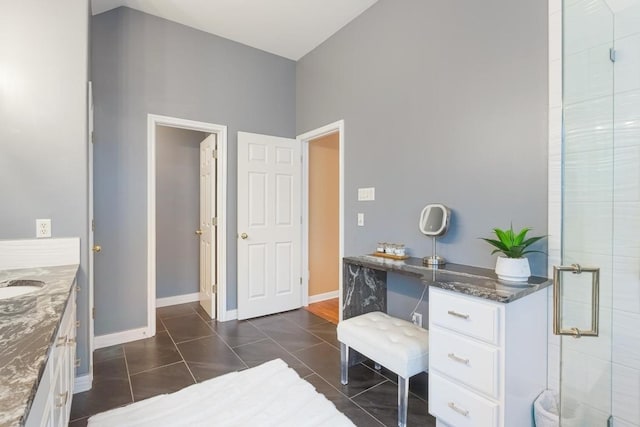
289 28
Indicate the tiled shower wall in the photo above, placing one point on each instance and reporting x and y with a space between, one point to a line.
589 109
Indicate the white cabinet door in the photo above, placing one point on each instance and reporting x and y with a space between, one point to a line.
269 230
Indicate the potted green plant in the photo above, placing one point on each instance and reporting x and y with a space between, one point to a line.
512 264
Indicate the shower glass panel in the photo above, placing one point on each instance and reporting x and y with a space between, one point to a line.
587 218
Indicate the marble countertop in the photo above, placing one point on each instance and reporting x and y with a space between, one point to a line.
28 326
464 279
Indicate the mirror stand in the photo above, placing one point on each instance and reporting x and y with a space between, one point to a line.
434 259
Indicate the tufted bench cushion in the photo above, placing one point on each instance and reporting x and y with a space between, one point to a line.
396 344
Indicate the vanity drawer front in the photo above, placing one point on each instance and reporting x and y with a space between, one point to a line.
470 362
459 407
474 318
65 332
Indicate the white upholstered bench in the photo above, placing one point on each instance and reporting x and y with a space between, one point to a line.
396 344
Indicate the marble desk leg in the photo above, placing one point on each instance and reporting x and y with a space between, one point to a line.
363 290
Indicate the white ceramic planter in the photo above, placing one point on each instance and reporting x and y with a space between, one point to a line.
513 269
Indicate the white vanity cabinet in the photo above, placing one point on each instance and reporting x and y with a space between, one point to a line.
487 360
51 406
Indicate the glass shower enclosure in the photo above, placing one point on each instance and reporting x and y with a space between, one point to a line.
596 296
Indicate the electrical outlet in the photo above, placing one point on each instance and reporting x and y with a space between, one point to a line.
361 220
416 319
43 228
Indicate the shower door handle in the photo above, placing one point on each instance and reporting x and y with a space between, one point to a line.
557 295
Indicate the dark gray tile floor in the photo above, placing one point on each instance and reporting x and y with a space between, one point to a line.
190 348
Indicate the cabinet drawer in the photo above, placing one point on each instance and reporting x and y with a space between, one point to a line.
474 318
66 331
459 407
470 362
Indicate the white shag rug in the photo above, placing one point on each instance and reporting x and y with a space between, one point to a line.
271 394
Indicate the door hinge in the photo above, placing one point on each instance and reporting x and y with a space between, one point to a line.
214 153
612 54
93 225
214 221
93 313
214 288
300 280
92 138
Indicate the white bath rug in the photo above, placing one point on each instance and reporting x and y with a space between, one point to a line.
271 394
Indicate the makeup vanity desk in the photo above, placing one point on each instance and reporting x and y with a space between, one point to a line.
487 338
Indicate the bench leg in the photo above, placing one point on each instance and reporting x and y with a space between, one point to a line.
403 400
344 364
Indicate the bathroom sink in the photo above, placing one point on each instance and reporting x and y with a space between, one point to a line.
19 287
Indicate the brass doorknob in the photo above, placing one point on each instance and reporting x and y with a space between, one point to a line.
96 248
198 232
243 236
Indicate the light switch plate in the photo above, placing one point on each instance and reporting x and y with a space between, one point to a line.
361 220
366 194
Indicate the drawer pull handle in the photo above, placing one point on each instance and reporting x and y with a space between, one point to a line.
61 341
456 314
461 411
452 356
62 399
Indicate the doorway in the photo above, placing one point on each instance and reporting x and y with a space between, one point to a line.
323 209
324 224
177 214
155 122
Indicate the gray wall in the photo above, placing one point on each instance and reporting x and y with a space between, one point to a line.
43 128
143 64
177 210
443 102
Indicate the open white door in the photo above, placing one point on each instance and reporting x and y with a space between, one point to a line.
208 222
269 230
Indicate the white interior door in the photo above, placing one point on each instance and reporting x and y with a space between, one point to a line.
269 230
207 230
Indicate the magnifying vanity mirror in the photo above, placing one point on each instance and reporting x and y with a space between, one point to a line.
434 222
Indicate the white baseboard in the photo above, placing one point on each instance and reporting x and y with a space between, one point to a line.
178 299
83 383
101 341
323 297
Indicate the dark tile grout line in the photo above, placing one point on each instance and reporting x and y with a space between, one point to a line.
181 356
126 363
253 342
154 368
342 393
391 380
386 380
206 322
